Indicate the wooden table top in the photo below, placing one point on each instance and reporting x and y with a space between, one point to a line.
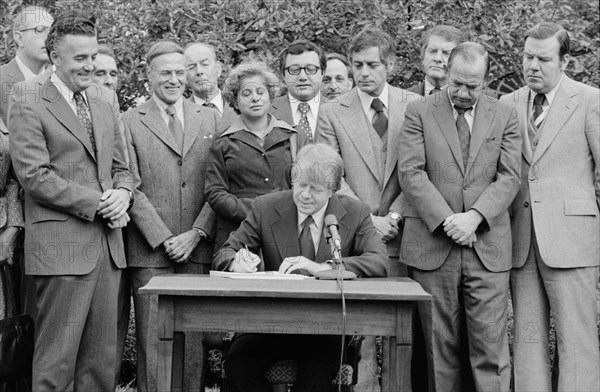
390 289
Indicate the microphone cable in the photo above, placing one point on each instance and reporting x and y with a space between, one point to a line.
340 284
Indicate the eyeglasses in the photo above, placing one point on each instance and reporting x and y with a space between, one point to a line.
39 29
309 69
166 74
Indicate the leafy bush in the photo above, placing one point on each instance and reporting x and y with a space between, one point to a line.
236 27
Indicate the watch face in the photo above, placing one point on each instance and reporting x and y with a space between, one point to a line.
395 215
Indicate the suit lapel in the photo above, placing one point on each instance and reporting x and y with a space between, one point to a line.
397 107
285 228
481 128
560 111
13 72
282 110
523 96
150 116
442 111
193 123
65 115
97 125
355 125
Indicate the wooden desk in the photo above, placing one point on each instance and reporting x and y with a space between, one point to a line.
375 306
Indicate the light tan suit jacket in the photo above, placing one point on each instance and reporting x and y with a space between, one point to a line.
63 178
560 192
344 126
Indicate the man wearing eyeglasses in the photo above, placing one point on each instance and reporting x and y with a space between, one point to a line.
30 28
203 72
168 139
302 65
364 127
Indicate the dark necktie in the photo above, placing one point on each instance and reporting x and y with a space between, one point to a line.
464 134
210 105
380 121
82 115
175 126
307 246
434 90
538 111
303 125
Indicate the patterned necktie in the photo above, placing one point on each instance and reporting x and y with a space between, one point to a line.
538 110
307 246
380 120
303 125
84 118
464 134
175 125
210 105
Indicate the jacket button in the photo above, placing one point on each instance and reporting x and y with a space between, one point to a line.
535 143
266 180
465 188
179 163
526 204
532 179
183 185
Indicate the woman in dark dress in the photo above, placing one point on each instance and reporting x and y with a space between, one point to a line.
254 155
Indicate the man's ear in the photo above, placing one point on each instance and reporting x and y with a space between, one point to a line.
54 57
390 66
565 62
18 37
488 79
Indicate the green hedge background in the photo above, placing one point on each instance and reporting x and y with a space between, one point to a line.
238 27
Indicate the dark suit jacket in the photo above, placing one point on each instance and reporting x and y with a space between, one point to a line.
272 226
10 74
169 183
63 178
436 185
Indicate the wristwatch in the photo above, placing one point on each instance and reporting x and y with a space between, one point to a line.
395 216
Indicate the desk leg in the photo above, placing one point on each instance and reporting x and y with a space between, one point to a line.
401 350
161 314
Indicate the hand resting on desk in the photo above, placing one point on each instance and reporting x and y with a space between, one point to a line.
245 261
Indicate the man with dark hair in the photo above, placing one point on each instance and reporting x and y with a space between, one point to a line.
69 158
556 219
106 72
302 64
168 139
204 70
337 79
436 45
364 127
288 229
459 171
30 27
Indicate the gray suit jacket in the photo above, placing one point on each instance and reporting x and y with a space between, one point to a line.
436 184
63 178
560 188
169 183
282 110
10 74
344 126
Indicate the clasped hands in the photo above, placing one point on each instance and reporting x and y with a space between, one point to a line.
113 207
179 248
386 226
461 227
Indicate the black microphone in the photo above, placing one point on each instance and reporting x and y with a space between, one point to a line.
332 227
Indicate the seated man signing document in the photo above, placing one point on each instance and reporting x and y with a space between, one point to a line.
289 228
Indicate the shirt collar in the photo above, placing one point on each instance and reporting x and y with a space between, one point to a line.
27 73
217 100
552 93
65 91
318 217
313 103
429 87
239 125
163 106
366 99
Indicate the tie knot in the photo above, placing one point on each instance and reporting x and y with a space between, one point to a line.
307 221
539 99
434 90
171 110
377 105
462 111
209 105
78 97
303 107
